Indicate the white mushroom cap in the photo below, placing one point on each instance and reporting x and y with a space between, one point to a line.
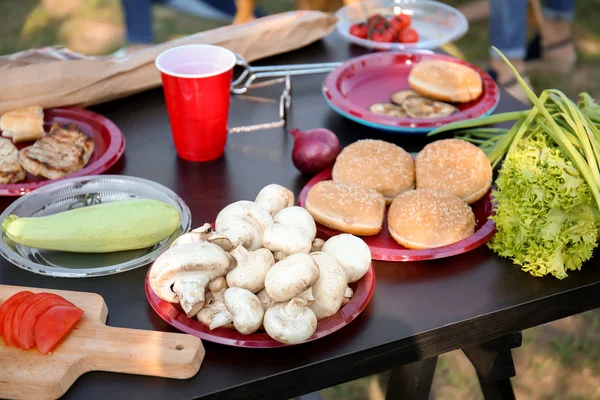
284 240
245 308
274 198
299 217
291 322
251 269
328 291
352 252
243 222
205 233
200 261
291 276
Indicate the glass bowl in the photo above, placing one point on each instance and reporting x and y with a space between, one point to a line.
58 196
435 22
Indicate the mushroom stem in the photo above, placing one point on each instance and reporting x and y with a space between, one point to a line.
240 254
220 319
347 295
317 245
190 290
307 296
293 309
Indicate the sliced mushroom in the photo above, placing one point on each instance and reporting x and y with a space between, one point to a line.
251 269
205 233
243 222
351 252
421 107
274 198
243 308
401 95
181 274
329 290
388 109
291 322
215 303
291 276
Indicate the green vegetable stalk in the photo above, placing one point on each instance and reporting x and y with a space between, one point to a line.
547 194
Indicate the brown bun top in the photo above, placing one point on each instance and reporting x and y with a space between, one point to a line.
445 81
454 166
348 208
375 164
425 218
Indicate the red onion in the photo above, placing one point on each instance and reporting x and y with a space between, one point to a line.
314 150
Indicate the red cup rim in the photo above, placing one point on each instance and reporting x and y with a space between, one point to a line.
229 66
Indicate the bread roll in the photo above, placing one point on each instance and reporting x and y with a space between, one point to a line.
424 218
454 166
445 81
376 164
347 208
23 124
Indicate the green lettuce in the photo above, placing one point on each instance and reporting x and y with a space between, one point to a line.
546 217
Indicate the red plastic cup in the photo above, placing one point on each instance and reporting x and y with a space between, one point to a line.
196 81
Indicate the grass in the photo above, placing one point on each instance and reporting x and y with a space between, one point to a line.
560 360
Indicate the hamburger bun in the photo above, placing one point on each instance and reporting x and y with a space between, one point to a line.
377 165
424 219
445 81
454 166
347 208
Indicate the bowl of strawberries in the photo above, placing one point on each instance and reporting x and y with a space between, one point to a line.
400 24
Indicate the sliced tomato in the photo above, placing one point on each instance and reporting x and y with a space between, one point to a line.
8 303
27 323
53 325
18 317
8 318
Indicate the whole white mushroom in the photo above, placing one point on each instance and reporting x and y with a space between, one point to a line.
291 322
291 277
352 253
329 290
243 308
274 198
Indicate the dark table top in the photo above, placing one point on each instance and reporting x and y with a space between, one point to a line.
418 310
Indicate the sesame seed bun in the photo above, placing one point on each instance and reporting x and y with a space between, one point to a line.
376 164
347 208
454 166
424 219
445 81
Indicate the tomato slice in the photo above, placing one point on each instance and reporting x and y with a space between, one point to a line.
8 318
16 323
15 298
27 323
53 325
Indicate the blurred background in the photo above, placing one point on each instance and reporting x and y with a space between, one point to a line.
558 361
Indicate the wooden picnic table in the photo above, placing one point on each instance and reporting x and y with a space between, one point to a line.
476 301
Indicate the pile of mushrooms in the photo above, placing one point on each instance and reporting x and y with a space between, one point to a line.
261 268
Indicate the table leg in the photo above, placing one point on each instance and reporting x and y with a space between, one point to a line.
411 381
494 365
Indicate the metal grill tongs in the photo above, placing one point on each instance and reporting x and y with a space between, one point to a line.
282 74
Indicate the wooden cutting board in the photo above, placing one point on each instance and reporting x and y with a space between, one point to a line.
93 346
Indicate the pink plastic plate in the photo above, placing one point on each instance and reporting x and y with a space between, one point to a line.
108 139
384 247
357 84
173 315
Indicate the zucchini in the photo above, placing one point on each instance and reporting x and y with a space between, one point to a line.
100 228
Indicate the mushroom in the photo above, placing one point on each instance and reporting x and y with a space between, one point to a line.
251 269
329 290
182 273
266 300
215 303
348 295
317 245
205 233
351 252
243 222
274 198
243 308
291 322
293 231
291 277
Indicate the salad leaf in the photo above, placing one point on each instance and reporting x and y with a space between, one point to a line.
546 216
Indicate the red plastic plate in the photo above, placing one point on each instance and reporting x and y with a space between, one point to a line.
173 315
384 247
108 139
357 84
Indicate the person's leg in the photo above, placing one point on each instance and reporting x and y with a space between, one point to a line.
557 35
507 32
138 21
